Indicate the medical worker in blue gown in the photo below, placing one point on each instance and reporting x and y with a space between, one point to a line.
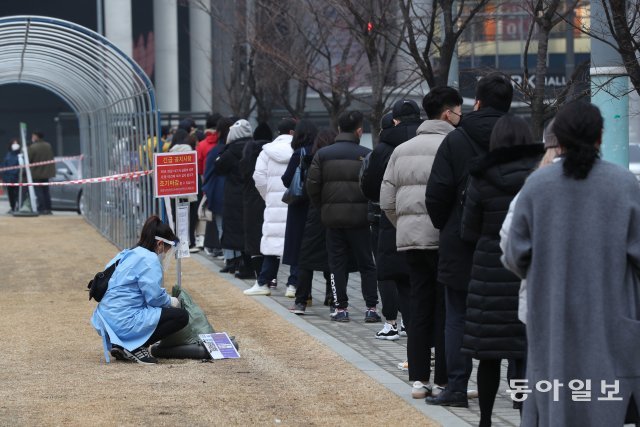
136 310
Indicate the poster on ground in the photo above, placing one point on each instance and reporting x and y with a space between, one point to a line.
219 346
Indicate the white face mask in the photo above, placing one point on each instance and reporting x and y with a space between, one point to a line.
15 147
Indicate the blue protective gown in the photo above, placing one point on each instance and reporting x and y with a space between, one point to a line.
130 309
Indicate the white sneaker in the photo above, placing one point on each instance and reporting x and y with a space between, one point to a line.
256 289
472 394
388 332
402 331
290 292
404 366
200 241
421 390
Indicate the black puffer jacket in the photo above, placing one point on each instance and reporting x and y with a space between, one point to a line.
227 164
492 329
445 189
333 186
390 264
252 201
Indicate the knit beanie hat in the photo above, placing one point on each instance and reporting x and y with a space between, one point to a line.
548 137
240 129
387 121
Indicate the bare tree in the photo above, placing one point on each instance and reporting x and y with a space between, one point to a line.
433 30
545 16
621 21
377 27
317 56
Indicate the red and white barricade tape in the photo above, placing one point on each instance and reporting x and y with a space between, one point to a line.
46 162
119 177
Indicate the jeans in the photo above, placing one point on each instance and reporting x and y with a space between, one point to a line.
269 271
357 240
226 253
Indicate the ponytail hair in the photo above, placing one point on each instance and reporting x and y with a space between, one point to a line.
578 127
153 227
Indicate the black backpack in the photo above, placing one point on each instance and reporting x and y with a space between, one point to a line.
100 282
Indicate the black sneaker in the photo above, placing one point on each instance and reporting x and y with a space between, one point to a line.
372 316
118 352
456 399
140 355
298 309
340 316
273 284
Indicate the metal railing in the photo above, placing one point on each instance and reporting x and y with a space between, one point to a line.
114 102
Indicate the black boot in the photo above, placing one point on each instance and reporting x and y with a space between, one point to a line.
230 266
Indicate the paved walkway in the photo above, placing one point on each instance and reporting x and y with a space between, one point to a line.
379 358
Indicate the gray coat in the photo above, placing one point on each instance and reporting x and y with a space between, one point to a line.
578 244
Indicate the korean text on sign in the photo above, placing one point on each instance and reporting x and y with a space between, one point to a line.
176 174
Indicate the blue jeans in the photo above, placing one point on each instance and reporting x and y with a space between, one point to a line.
269 271
226 253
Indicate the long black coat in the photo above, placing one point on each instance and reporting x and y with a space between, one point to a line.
252 202
227 164
296 213
492 329
390 264
445 189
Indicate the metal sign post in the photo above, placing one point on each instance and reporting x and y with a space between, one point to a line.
23 159
176 176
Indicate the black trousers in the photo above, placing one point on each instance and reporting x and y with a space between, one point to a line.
12 192
43 198
426 327
172 319
303 290
395 296
357 240
459 365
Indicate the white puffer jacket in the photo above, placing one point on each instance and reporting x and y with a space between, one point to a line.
270 166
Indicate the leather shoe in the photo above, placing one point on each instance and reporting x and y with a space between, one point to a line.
456 399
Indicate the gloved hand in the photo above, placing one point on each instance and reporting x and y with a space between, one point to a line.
175 302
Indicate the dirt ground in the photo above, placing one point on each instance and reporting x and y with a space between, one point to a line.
52 370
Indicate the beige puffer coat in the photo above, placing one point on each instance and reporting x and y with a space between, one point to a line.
402 195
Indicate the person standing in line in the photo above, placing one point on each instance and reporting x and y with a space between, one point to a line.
575 237
303 137
253 203
213 187
492 330
11 159
313 246
228 164
404 183
392 268
333 187
444 199
202 148
271 164
41 151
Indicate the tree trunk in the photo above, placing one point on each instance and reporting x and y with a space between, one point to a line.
537 103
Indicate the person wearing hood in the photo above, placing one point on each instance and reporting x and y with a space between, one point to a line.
11 159
228 165
392 268
253 209
444 199
404 183
493 331
270 166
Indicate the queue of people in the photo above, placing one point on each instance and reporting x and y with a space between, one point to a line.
482 247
